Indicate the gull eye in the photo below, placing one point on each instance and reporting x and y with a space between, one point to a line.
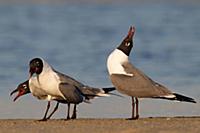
37 63
24 86
127 44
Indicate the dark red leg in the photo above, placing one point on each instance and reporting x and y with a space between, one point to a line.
55 109
135 101
137 108
74 112
45 115
68 112
133 109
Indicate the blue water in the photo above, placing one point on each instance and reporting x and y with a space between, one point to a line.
76 40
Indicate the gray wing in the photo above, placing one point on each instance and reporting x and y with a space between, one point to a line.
139 84
91 92
87 91
71 93
69 80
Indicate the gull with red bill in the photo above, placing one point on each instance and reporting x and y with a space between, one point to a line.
131 81
24 89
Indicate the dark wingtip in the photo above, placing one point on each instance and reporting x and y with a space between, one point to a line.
178 97
106 90
184 98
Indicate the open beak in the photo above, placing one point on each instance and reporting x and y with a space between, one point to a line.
18 95
131 32
13 92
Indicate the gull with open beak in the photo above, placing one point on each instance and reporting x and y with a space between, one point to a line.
23 89
131 81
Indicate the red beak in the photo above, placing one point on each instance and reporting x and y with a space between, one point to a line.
18 95
13 92
131 32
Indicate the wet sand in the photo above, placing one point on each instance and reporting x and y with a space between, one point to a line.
143 125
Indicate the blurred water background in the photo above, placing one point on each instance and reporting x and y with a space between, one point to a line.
76 38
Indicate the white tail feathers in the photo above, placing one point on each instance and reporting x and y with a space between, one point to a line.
102 94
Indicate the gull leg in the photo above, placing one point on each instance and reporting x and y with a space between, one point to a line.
133 109
137 108
55 109
45 115
74 112
68 111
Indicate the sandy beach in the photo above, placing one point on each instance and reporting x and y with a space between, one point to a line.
143 125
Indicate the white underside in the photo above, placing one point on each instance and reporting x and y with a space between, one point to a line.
35 90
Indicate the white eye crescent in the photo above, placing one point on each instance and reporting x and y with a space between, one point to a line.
25 86
127 44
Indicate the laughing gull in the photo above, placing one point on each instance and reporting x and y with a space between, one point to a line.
131 81
23 89
47 83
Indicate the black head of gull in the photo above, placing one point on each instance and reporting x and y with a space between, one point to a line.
22 89
127 44
35 66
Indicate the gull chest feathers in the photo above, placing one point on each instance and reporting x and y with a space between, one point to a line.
49 82
115 63
36 90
